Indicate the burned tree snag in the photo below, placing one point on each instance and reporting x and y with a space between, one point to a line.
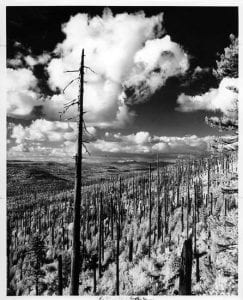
75 265
182 214
150 210
158 204
100 234
186 269
130 249
60 285
118 240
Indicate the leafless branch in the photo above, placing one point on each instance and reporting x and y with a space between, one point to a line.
72 71
70 84
88 68
86 148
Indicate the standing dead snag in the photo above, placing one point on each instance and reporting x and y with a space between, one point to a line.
208 180
9 254
186 269
188 209
75 265
130 249
60 285
150 210
195 231
158 204
100 234
182 214
118 238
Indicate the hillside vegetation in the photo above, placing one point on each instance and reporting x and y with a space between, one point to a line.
133 232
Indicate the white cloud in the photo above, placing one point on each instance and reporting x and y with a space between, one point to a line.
125 50
114 48
161 147
43 130
22 93
19 148
142 143
222 99
21 79
59 139
36 151
140 138
55 134
110 43
92 130
15 62
154 63
28 60
40 59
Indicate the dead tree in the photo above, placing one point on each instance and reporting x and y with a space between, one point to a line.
130 249
208 180
188 210
158 204
76 257
100 233
118 239
60 285
182 214
75 265
195 232
150 210
186 269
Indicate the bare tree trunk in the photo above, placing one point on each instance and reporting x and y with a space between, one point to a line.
94 273
36 286
195 235
182 214
75 265
60 286
100 234
208 178
186 269
188 211
211 194
9 234
112 218
158 204
150 210
130 249
118 240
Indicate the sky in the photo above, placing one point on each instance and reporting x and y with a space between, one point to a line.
152 86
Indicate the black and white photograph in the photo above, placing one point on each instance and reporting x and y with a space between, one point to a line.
121 150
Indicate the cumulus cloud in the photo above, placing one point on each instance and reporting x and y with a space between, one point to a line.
55 134
144 143
154 63
222 99
25 59
140 138
32 61
35 151
117 48
110 44
20 148
22 93
131 59
59 139
42 130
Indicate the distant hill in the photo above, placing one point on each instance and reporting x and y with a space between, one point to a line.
29 176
